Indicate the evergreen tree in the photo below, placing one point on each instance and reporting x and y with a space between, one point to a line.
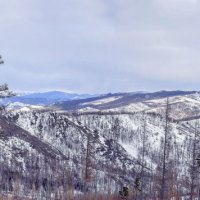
194 167
90 153
4 90
137 184
124 193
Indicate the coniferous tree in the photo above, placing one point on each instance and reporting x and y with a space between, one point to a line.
1 60
194 164
4 90
89 162
9 176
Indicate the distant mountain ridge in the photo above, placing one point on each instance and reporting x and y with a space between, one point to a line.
116 100
88 102
45 98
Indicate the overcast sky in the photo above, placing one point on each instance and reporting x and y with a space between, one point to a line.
100 46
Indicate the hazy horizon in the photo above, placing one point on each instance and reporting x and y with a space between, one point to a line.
119 92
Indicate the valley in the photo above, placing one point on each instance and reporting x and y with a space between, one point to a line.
99 146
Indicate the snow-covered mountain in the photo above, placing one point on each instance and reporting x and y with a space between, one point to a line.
124 134
118 101
44 98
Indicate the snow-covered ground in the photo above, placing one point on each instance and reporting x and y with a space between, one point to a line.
118 137
103 101
18 106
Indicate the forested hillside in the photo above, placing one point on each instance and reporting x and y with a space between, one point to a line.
75 155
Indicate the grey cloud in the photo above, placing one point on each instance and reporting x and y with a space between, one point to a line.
100 46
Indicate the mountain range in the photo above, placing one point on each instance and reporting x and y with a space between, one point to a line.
44 98
99 144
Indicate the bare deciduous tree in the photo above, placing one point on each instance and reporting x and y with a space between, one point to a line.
89 161
165 151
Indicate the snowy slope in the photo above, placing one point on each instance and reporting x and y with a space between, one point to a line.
117 134
182 106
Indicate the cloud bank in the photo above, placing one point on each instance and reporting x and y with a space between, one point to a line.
99 46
